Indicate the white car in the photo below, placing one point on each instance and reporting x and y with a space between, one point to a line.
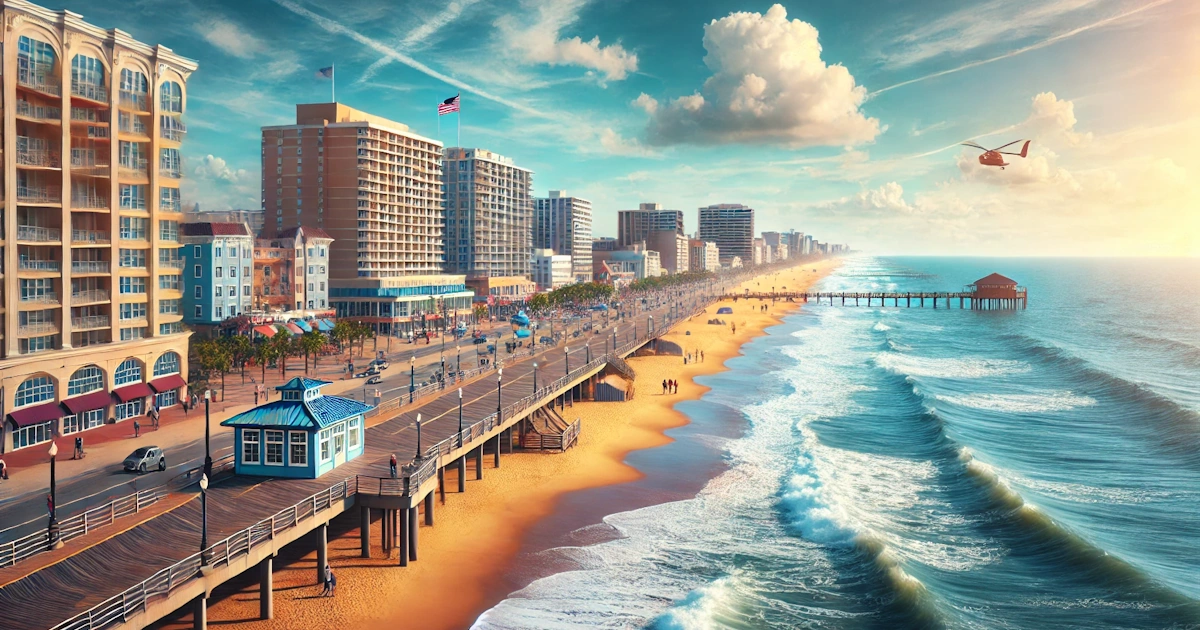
146 458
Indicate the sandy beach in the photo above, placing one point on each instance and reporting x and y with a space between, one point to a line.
478 534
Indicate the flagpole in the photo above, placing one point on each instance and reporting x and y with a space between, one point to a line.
333 82
459 119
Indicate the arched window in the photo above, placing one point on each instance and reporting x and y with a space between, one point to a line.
86 379
35 390
167 364
171 97
134 81
87 78
130 371
35 61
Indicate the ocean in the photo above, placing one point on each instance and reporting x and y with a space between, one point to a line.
920 468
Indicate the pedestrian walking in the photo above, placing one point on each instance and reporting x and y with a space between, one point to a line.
153 417
392 465
185 406
256 398
137 429
195 400
328 582
664 387
332 584
3 471
78 448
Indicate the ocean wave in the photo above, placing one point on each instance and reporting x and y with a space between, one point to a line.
880 326
957 367
1044 401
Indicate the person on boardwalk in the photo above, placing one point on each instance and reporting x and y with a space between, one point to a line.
392 465
255 397
3 470
328 582
78 454
137 429
195 400
186 405
332 584
153 417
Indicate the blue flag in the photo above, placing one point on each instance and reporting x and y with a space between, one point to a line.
325 72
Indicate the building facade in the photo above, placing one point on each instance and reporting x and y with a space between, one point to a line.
488 214
703 256
252 218
90 243
291 271
551 270
635 226
672 248
564 224
731 227
218 259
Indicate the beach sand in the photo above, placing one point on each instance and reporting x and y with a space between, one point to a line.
478 534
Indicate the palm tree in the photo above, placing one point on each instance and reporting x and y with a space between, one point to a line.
284 347
264 351
311 342
343 333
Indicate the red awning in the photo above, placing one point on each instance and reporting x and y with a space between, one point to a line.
36 414
266 331
96 400
167 383
132 392
295 329
429 317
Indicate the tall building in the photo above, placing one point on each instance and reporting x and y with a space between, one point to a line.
489 214
375 188
291 271
731 227
795 243
672 248
635 226
218 259
92 283
564 224
703 256
551 270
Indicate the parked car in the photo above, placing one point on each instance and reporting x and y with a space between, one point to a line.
380 363
374 380
480 339
370 371
144 459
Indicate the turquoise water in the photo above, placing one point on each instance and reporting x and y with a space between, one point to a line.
912 468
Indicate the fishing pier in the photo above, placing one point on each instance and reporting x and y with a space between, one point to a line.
995 292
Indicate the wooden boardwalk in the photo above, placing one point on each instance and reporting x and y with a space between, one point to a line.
80 586
964 299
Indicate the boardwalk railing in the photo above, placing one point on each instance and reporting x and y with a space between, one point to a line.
120 608
78 525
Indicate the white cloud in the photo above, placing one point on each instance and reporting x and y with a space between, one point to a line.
647 103
231 38
418 36
541 41
216 185
769 85
211 167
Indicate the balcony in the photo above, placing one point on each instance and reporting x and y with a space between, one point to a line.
36 234
90 91
90 266
39 194
88 115
134 101
90 322
172 171
40 113
37 157
90 296
172 129
133 168
96 133
134 321
174 263
89 237
39 265
45 297
87 162
135 126
37 328
88 201
39 79
170 205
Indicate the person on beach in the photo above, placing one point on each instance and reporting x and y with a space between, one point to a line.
664 387
392 465
137 429
327 582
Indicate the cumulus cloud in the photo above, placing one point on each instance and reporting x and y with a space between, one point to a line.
211 167
885 201
768 85
541 41
230 38
647 103
1053 119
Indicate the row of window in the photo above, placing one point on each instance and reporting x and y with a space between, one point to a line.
219 292
219 272
133 197
91 378
35 56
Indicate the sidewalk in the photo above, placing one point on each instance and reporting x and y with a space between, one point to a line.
108 445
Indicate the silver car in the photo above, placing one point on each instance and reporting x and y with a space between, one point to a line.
146 458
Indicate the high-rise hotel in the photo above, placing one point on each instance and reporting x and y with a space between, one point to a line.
489 215
90 240
376 188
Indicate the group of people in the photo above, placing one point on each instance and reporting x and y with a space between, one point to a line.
693 357
670 386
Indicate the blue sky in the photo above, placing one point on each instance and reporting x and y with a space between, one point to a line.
836 118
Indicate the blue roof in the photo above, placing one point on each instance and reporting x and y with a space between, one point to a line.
317 413
301 383
302 324
324 326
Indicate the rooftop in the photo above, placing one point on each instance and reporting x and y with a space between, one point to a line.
215 229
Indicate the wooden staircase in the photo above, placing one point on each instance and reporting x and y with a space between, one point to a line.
545 430
621 367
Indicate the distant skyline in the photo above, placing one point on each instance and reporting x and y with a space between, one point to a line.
837 119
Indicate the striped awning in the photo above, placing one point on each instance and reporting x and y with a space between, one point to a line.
266 331
36 414
294 328
324 325
87 402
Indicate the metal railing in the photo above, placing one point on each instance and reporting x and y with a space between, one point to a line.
38 234
78 525
39 112
133 100
41 79
90 236
173 172
133 125
119 608
90 266
39 194
39 265
132 168
175 263
37 328
171 128
48 297
89 322
91 295
90 201
90 91
38 157
87 114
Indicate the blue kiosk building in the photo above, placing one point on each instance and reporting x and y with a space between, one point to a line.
303 435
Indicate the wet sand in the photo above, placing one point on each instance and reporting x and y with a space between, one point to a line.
478 535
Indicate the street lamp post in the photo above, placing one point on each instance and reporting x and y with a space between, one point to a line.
207 435
203 520
418 436
566 361
535 378
499 383
412 376
52 503
457 357
460 429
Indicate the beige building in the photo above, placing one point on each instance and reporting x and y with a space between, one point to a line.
704 256
635 226
92 287
489 214
672 248
376 188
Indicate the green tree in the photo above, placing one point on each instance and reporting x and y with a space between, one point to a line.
538 302
481 312
343 333
213 356
312 342
240 349
284 348
264 353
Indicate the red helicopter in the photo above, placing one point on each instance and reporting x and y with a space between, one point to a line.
991 157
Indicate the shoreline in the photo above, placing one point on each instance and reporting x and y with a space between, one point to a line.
468 559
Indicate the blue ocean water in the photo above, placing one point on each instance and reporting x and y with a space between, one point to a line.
913 468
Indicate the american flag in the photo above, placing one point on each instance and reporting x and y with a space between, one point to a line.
448 106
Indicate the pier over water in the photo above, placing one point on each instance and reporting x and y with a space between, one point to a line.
994 292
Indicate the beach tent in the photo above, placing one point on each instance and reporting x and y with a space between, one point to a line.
725 310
